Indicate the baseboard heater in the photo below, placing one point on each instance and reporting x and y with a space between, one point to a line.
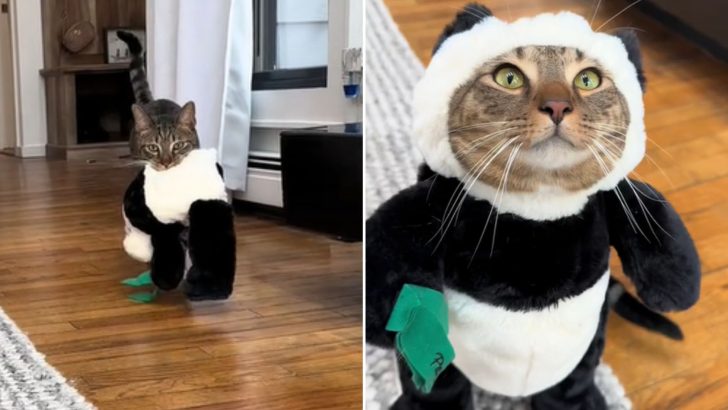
264 184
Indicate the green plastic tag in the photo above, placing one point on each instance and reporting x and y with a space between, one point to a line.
412 296
420 318
143 279
143 297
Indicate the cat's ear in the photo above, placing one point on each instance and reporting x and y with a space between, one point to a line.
632 45
186 117
142 121
469 16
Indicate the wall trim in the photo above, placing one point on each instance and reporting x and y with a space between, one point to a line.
30 151
30 105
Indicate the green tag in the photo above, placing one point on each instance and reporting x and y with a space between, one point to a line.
144 279
143 297
412 296
420 318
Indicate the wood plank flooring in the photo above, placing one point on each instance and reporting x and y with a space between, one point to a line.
687 115
289 338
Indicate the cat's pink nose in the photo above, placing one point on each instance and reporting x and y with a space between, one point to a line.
556 109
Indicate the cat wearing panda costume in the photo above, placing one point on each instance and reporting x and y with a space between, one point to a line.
518 235
180 222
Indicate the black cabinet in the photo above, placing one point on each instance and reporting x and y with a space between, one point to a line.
322 179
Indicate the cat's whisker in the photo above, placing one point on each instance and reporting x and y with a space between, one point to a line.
461 192
472 12
479 125
470 173
651 198
615 155
610 142
472 146
607 127
480 239
503 192
648 215
630 218
618 14
596 9
453 214
629 28
649 158
615 129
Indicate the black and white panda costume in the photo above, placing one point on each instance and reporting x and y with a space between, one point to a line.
180 222
527 319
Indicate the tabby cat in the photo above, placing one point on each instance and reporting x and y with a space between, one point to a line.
529 130
176 210
164 133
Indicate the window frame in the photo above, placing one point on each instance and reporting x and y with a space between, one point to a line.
264 15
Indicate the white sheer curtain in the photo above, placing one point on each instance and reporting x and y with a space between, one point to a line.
203 51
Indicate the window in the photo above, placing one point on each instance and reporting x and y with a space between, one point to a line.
291 44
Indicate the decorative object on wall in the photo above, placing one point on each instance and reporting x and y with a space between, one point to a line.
115 50
78 30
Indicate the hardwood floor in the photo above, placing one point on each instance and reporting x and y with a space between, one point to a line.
289 338
687 115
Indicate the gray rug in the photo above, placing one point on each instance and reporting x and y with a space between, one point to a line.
27 382
391 164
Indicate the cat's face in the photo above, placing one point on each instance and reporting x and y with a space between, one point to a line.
543 115
164 141
533 115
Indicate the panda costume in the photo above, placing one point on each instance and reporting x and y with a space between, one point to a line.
527 317
180 222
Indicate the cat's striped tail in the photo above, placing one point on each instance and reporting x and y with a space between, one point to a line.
139 82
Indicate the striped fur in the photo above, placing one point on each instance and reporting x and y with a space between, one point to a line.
164 133
139 82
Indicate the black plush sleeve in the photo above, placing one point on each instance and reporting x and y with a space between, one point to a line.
399 250
657 254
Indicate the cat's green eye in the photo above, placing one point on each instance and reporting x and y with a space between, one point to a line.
153 148
509 77
179 145
587 80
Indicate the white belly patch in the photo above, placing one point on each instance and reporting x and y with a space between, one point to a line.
521 353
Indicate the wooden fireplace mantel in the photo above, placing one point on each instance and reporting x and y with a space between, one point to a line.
62 69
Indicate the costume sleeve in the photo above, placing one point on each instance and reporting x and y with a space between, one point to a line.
399 250
656 250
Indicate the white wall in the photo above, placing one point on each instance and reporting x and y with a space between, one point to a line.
356 23
27 45
7 104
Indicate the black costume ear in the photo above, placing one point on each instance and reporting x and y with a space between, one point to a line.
632 44
464 21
